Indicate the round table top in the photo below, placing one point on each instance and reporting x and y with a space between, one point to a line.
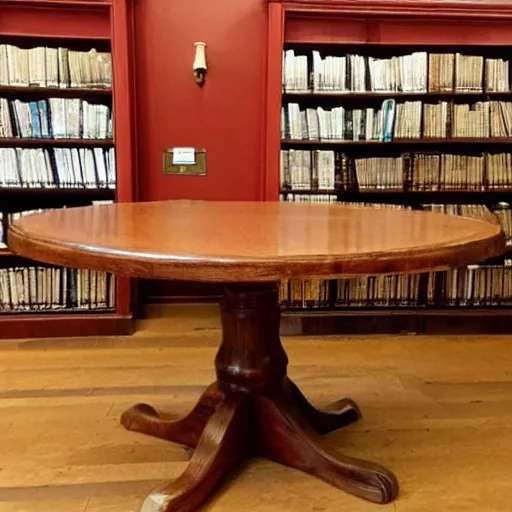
252 241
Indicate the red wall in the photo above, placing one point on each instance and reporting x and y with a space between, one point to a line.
225 116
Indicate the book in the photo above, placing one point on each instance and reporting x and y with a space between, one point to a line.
58 168
43 66
415 72
38 288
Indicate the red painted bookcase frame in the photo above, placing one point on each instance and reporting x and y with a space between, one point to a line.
377 22
369 21
89 20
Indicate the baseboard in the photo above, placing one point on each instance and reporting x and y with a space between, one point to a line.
426 321
65 325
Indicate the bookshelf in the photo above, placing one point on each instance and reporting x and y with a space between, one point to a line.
371 104
64 75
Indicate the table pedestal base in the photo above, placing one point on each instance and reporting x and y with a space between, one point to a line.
255 409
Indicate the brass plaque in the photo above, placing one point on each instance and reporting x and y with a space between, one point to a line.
184 161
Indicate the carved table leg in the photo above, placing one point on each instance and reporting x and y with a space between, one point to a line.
337 415
223 444
287 438
255 408
187 431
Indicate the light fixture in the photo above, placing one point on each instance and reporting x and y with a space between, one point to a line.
199 65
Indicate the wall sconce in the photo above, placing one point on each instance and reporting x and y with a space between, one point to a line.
199 65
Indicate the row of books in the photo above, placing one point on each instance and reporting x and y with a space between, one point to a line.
295 197
475 285
45 288
405 120
302 169
415 72
338 123
482 119
471 286
416 172
383 290
419 172
55 118
478 285
58 167
377 206
54 67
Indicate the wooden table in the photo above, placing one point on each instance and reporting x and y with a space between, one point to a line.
253 408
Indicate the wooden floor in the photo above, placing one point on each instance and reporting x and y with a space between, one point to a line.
437 411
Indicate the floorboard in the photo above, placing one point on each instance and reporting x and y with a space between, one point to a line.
437 411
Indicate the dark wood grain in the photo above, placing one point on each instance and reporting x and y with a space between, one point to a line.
254 408
339 414
187 431
223 444
252 241
285 437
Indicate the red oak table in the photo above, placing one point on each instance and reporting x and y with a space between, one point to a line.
253 407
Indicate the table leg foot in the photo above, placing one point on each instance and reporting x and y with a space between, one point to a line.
287 438
335 416
223 444
145 419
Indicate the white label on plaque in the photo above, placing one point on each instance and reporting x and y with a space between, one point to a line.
183 156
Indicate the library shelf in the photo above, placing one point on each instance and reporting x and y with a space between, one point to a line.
39 142
80 25
54 92
377 28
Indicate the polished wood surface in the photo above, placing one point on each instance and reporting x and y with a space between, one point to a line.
252 241
253 407
437 410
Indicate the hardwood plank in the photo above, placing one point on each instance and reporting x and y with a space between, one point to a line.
436 410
